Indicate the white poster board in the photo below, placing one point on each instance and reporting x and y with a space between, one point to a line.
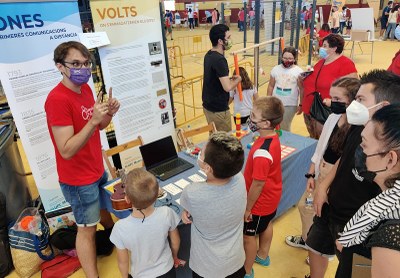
134 66
363 20
169 5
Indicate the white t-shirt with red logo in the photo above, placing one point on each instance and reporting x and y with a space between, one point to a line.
67 108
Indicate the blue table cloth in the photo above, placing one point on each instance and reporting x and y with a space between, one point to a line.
294 167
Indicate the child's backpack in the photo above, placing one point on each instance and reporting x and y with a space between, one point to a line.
6 264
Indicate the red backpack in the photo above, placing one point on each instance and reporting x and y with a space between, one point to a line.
61 266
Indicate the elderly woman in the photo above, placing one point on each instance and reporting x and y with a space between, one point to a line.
332 66
376 224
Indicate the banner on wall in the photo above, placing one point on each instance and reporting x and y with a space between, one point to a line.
339 4
29 33
134 66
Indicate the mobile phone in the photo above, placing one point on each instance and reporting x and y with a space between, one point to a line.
304 74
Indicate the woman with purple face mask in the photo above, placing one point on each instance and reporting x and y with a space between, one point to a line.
283 84
375 227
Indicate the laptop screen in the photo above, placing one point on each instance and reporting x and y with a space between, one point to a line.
158 152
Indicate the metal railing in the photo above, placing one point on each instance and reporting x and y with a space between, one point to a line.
304 44
186 94
266 56
175 62
193 44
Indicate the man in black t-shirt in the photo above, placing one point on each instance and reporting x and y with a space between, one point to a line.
348 191
216 80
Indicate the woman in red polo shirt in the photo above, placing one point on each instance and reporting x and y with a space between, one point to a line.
331 66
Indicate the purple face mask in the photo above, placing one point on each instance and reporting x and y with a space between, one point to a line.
80 76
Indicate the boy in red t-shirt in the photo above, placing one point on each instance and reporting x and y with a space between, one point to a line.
263 176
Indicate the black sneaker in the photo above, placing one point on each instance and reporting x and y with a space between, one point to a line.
296 241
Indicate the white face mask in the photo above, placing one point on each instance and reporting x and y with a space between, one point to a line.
357 113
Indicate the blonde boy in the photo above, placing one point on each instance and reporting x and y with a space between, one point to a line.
145 232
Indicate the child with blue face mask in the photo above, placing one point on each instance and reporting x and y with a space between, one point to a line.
263 175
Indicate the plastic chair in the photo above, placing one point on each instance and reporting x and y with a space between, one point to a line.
116 150
184 135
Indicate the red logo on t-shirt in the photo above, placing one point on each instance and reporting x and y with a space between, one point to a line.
87 113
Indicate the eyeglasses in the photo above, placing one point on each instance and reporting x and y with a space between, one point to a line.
260 121
375 154
78 65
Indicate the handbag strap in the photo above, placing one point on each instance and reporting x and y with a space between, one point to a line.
316 79
44 257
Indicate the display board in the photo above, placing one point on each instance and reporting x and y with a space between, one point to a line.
134 65
29 33
363 20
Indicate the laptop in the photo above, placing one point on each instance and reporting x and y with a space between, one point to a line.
161 159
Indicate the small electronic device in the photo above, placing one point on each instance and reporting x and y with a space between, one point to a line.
304 74
161 159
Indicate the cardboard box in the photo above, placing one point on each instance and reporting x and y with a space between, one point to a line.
361 267
360 35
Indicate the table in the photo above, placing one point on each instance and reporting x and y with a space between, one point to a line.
352 51
294 167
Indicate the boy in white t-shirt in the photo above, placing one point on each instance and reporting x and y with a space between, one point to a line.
216 207
144 233
249 93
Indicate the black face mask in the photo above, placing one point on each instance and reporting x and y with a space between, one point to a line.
360 159
338 107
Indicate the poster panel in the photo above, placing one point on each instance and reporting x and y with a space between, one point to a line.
29 33
363 20
134 66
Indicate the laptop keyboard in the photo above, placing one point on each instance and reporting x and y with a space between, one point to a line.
169 166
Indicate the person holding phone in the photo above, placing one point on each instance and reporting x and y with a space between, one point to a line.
333 65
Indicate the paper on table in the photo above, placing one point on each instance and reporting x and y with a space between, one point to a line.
178 201
182 183
172 189
202 172
196 178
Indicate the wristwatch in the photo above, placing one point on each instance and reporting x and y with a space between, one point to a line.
308 175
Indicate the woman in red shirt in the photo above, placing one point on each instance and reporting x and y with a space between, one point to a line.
331 66
325 31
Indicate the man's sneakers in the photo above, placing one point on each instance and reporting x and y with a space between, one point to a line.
296 241
251 275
